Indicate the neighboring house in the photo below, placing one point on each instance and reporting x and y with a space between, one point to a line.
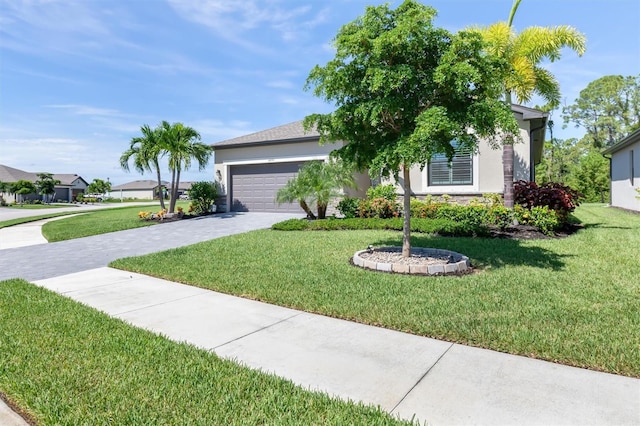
625 172
69 187
140 189
251 168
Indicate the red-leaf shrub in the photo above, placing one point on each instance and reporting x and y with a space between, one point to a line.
557 197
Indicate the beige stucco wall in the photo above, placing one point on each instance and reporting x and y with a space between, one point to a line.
623 185
143 194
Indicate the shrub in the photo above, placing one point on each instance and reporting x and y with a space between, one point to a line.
348 207
557 197
500 216
203 195
542 217
378 207
424 209
429 226
388 192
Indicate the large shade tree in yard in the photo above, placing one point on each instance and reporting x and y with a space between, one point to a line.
319 182
46 185
524 52
182 144
405 90
145 151
22 188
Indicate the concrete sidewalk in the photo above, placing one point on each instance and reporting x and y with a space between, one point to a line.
26 234
438 382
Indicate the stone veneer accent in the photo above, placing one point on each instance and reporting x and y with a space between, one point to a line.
457 264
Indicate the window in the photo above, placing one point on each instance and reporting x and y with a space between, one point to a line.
458 171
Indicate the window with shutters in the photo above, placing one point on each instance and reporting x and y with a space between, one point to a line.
458 171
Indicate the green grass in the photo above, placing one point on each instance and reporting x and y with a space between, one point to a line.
65 363
97 222
573 301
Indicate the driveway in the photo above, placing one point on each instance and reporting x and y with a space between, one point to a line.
50 260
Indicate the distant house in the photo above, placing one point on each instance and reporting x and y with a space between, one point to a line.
252 168
140 189
69 187
625 172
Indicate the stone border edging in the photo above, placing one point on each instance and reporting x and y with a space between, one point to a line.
458 263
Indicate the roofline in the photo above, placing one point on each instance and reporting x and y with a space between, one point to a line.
263 143
629 140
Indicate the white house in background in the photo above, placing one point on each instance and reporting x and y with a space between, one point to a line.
252 168
66 191
146 189
625 172
139 189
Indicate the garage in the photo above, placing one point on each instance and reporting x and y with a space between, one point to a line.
254 186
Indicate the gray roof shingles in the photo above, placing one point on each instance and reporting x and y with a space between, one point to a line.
291 132
10 174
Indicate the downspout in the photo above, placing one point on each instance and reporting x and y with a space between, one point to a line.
532 166
610 178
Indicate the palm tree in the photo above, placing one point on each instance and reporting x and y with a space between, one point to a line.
145 152
524 52
182 143
317 181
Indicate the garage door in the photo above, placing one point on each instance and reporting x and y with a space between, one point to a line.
254 187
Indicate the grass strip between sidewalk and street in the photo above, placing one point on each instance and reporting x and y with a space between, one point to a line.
572 300
65 363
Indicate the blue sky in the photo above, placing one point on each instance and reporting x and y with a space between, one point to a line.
79 77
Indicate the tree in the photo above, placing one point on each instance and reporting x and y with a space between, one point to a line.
99 186
182 144
524 52
22 188
319 182
145 151
608 109
406 90
591 177
46 185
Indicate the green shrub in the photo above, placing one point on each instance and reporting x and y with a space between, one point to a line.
348 207
428 226
475 215
388 192
424 209
378 207
203 195
500 216
542 217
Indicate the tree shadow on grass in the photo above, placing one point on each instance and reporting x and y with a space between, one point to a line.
488 252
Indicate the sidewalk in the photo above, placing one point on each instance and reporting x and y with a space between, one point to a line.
439 382
26 234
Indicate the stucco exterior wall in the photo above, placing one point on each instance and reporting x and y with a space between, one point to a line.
143 194
623 183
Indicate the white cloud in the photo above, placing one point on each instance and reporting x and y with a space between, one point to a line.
281 84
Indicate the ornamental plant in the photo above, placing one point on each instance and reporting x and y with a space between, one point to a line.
556 196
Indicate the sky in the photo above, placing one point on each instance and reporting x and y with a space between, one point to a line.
78 78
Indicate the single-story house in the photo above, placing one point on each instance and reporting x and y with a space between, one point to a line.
625 172
250 169
140 189
146 189
69 187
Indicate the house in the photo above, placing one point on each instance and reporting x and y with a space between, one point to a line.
139 189
69 187
625 172
250 169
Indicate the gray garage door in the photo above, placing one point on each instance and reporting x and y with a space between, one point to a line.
254 187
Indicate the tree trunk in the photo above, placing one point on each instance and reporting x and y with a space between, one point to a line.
160 194
174 192
322 211
406 227
507 159
507 170
307 210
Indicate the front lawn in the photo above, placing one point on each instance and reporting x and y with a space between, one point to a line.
573 300
65 363
97 222
37 206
